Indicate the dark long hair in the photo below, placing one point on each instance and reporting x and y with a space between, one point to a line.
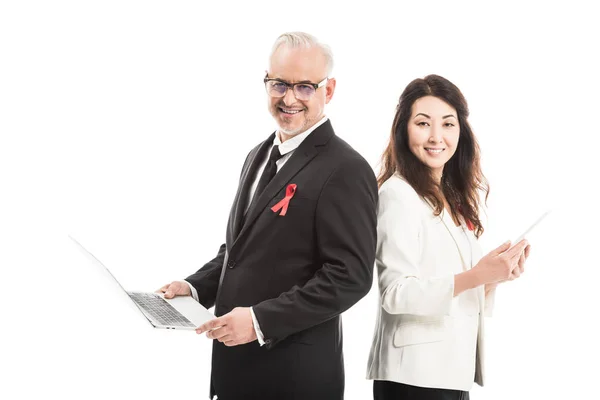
462 178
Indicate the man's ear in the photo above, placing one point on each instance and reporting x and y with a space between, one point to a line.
329 89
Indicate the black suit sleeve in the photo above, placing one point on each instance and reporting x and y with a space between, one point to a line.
206 279
346 234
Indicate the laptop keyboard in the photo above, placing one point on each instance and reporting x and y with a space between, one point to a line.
157 307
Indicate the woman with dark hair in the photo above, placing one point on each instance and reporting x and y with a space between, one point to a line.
435 286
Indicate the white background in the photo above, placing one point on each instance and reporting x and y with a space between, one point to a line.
125 123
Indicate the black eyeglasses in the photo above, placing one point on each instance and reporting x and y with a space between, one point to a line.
303 91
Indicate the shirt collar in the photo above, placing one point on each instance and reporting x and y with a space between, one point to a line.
293 143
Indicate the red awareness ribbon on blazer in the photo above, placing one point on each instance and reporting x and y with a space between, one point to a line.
283 204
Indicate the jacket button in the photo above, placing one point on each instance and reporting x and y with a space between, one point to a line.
231 264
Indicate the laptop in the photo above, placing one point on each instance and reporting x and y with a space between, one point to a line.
181 312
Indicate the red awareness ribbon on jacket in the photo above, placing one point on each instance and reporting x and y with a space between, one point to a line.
283 204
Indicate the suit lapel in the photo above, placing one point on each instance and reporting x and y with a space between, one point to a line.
246 180
307 150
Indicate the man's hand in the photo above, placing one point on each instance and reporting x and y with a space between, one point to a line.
231 329
176 288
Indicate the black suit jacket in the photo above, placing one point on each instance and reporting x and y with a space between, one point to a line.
299 272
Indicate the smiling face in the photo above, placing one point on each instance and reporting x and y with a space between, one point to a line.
433 132
294 65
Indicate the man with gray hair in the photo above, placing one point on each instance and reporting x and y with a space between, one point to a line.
300 244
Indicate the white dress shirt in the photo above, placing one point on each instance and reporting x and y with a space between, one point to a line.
285 149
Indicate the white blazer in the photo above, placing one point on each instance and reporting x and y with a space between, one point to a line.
424 336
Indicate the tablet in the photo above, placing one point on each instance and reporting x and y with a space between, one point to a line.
524 235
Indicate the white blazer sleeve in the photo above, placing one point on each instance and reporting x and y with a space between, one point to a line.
403 288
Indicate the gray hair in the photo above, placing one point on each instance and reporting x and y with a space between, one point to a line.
296 40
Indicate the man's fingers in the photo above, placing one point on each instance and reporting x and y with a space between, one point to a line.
163 289
218 333
230 343
168 290
228 337
212 324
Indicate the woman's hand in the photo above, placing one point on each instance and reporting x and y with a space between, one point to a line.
502 264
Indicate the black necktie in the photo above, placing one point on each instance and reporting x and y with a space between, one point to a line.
269 171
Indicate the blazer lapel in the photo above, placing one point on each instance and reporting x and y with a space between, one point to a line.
476 255
476 249
241 198
451 226
307 150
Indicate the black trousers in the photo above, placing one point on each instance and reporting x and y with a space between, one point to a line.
386 390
